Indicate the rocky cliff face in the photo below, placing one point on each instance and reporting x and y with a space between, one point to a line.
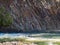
33 15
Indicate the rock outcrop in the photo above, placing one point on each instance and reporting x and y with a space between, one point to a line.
33 15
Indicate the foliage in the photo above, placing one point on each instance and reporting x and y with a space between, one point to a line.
5 39
5 17
9 39
56 43
42 43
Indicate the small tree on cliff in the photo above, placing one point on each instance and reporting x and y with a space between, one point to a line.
5 18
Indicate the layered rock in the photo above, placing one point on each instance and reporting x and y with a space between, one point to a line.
34 15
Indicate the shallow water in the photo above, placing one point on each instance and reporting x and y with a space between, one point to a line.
36 35
12 35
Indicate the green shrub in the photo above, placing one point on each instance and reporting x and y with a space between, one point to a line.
5 17
41 43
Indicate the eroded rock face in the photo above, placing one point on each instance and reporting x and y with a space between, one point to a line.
34 15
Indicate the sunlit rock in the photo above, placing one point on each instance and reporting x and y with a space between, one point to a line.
58 0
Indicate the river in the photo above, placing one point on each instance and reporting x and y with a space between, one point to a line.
31 35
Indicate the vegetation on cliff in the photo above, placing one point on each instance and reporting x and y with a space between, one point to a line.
5 18
34 15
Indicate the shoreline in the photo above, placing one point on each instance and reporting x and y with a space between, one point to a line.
24 36
43 39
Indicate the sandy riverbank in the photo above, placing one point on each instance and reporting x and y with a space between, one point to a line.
43 39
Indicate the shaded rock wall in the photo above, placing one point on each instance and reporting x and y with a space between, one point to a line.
34 15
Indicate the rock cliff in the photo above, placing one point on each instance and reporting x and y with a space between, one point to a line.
33 15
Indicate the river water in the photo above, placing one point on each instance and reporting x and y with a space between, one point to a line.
34 35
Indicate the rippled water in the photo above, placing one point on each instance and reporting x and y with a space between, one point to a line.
36 35
13 35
